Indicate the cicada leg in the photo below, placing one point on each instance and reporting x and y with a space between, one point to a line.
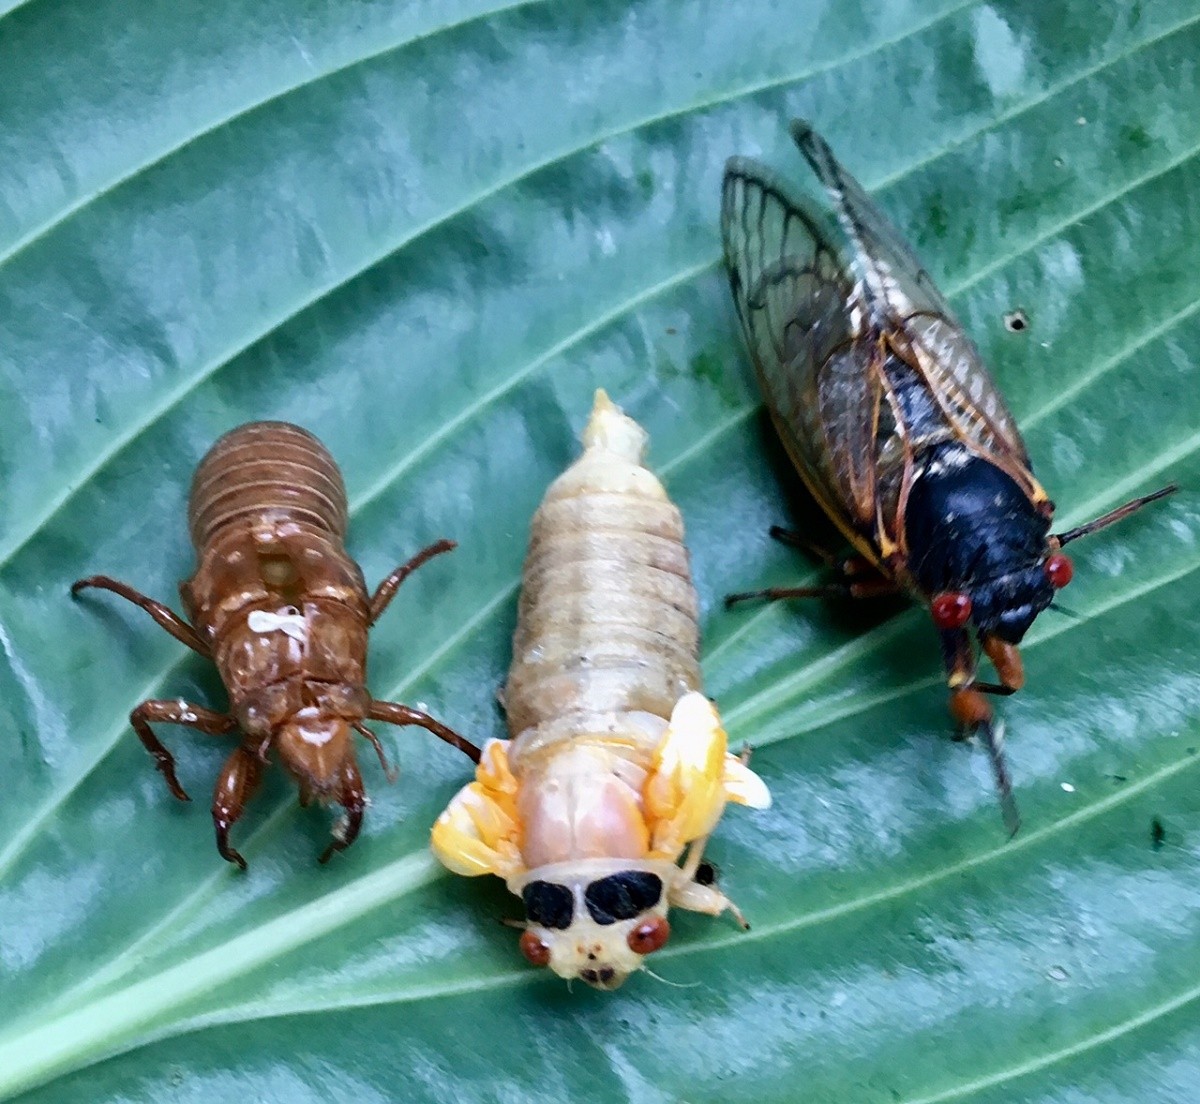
163 616
353 798
859 577
390 772
847 566
878 587
971 709
698 893
386 590
180 712
397 714
237 783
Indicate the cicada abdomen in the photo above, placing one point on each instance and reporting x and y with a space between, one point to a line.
617 762
607 621
262 471
280 607
895 425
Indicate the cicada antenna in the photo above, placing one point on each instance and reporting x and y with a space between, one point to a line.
1115 515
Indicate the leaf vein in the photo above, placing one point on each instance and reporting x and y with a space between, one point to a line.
176 395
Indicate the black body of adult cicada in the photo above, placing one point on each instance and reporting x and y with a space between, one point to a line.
890 417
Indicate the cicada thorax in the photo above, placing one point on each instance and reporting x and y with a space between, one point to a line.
279 601
616 762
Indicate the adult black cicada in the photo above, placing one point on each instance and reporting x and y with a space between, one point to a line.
895 426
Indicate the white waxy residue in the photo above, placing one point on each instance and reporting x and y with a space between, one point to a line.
289 621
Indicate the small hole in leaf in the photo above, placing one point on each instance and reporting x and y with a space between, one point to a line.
1016 321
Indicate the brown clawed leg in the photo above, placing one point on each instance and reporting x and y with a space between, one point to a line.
353 799
175 711
394 713
237 784
387 589
389 771
163 616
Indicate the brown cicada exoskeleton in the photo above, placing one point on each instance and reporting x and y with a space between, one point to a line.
281 608
895 426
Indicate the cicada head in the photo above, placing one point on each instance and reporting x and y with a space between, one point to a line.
314 748
596 919
1006 607
979 546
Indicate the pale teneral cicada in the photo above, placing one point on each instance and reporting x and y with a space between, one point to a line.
618 764
894 424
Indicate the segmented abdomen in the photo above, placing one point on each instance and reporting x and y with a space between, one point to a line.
607 621
266 469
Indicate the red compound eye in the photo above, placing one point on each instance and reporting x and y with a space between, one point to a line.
951 610
1059 570
534 949
650 936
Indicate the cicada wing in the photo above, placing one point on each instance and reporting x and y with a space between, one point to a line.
901 300
803 326
955 372
890 273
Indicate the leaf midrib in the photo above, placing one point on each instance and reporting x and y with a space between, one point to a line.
267 1010
216 967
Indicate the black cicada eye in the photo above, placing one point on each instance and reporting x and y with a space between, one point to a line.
548 904
622 896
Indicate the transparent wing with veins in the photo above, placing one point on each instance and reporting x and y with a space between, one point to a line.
804 324
901 299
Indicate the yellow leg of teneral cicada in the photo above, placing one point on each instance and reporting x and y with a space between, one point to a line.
692 776
479 832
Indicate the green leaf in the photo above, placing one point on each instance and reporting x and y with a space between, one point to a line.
428 230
